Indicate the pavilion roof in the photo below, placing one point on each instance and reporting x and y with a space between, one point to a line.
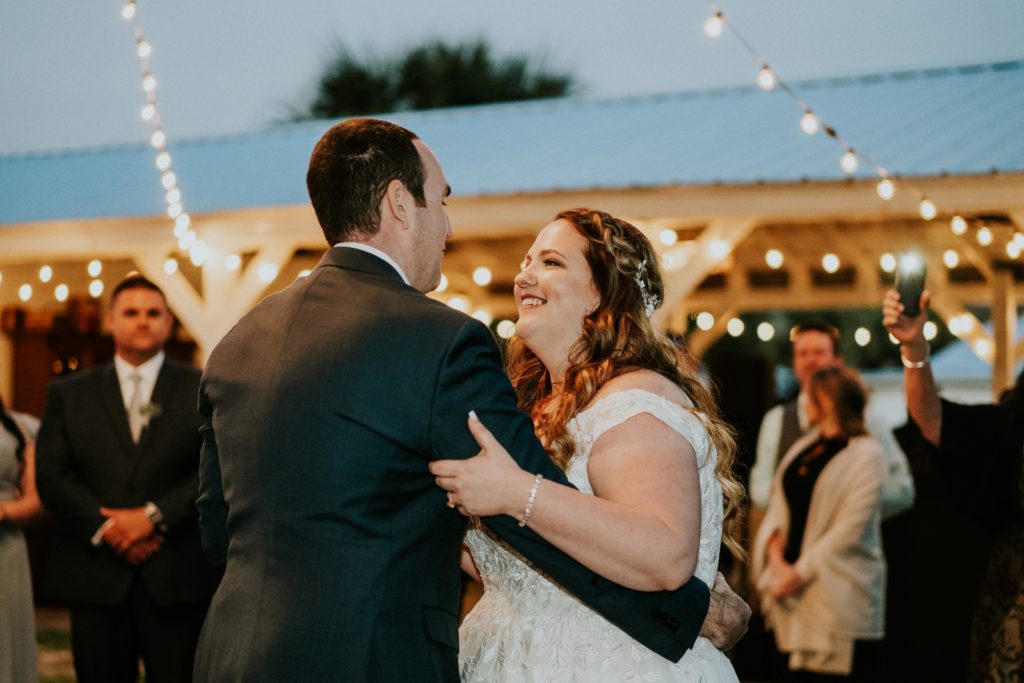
963 120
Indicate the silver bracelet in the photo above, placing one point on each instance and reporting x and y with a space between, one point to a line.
530 501
914 364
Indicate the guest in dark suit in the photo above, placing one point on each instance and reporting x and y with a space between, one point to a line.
117 465
322 409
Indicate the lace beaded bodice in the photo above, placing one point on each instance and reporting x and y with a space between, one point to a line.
527 628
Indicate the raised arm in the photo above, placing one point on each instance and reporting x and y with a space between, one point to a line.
918 382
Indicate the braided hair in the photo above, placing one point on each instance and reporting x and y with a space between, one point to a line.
617 338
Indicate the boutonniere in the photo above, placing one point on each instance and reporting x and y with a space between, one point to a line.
148 411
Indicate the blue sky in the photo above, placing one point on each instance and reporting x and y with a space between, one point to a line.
69 77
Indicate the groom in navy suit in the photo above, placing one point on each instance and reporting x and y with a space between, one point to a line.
322 409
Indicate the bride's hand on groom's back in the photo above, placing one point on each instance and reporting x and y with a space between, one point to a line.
489 483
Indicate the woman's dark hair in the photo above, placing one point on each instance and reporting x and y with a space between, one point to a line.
11 426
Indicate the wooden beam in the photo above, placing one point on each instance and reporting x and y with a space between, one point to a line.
1004 323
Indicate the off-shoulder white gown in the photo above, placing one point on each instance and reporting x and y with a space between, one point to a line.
527 628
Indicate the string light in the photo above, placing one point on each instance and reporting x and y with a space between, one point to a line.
848 162
267 272
45 274
1012 250
927 209
719 249
887 262
705 320
984 236
459 303
774 259
735 327
714 25
171 266
862 336
950 258
886 189
766 79
482 276
505 329
765 332
96 289
931 330
830 263
232 262
483 315
199 253
810 123
60 292
1018 239
668 237
25 292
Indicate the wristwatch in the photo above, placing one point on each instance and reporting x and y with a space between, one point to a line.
154 515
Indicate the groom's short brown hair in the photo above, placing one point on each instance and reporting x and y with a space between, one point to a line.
350 170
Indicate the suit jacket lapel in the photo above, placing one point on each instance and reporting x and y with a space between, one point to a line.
113 403
362 261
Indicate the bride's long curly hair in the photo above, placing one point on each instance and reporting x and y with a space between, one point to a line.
618 337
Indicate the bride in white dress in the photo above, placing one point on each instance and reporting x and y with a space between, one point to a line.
636 433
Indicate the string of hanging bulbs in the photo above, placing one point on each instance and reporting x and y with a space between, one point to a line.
188 240
852 159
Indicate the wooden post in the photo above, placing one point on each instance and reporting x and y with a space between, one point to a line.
1004 322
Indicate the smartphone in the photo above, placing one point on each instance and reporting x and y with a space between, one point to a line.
910 274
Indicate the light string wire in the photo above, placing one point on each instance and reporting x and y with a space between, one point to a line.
188 240
810 123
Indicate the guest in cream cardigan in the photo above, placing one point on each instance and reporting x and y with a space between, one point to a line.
818 554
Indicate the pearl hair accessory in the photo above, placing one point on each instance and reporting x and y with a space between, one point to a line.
651 301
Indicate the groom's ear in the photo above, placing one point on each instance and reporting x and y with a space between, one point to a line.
396 196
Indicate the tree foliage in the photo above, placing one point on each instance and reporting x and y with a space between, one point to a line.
435 74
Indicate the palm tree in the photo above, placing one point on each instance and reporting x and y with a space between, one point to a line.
435 74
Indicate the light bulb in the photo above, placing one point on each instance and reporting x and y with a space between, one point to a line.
148 111
199 253
887 262
830 263
482 276
158 139
144 49
931 330
45 273
927 209
168 180
128 11
483 315
171 266
735 327
183 221
187 240
765 332
232 262
862 336
982 348
810 123
848 162
94 268
149 83
958 225
713 26
96 289
668 237
506 328
1018 239
163 159
459 303
60 293
774 259
267 272
25 292
766 78
719 249
984 236
705 320
173 196
950 258
886 189
1012 250
174 210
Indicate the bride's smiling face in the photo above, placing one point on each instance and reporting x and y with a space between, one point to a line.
554 290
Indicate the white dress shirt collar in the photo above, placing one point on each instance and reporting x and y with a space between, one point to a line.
148 371
379 254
